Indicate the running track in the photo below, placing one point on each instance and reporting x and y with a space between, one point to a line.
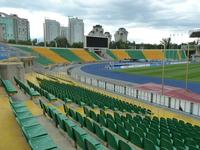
100 70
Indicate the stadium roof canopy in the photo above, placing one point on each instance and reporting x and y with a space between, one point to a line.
195 33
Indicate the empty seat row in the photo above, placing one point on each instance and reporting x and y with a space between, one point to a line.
104 134
26 88
42 92
155 132
84 96
35 134
9 87
81 138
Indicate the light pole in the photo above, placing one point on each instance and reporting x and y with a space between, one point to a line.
187 67
163 69
55 43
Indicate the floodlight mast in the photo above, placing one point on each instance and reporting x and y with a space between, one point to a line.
163 69
187 67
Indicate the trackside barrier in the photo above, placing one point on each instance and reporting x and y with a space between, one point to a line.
181 105
169 102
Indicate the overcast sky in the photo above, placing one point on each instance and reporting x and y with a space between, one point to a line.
147 21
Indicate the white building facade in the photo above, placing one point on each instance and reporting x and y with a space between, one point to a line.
64 32
13 27
97 31
76 30
121 35
51 30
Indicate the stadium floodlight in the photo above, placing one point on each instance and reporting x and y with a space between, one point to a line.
163 69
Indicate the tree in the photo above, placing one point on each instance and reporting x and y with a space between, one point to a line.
77 45
34 41
166 42
40 44
52 44
12 41
62 42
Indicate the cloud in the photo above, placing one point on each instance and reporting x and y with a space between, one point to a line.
164 17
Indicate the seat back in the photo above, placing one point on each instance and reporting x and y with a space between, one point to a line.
112 140
124 146
136 139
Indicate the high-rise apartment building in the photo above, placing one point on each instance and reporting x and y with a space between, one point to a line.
121 35
51 30
97 31
76 30
14 28
64 32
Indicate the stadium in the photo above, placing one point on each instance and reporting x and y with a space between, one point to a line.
97 98
64 86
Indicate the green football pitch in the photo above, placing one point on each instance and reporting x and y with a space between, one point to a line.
177 72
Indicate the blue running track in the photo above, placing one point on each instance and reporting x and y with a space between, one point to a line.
100 70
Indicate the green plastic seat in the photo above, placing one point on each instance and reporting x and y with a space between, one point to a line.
149 145
166 144
153 138
100 132
191 147
123 118
93 144
164 148
89 124
34 131
24 115
117 115
180 148
128 126
73 114
139 131
124 146
190 141
117 119
50 110
178 143
166 137
111 125
61 119
80 136
67 100
16 104
133 123
42 143
27 122
122 132
86 111
136 139
93 116
129 116
80 118
110 117
55 115
68 126
21 110
102 121
102 113
154 131
112 140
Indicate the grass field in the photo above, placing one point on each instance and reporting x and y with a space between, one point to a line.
171 71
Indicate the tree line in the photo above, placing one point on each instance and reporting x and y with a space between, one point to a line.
63 42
